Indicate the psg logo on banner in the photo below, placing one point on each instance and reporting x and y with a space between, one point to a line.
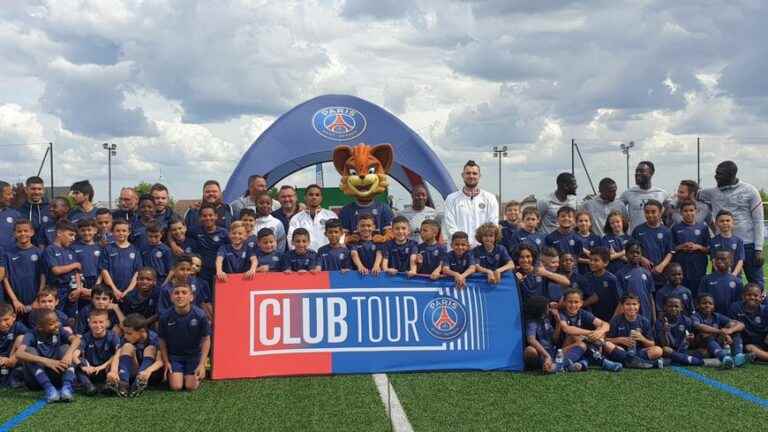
445 318
339 123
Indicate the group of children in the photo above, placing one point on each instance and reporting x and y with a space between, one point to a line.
115 304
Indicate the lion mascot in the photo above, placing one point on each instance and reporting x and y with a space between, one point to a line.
363 170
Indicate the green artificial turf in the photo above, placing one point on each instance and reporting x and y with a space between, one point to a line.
596 400
295 404
751 378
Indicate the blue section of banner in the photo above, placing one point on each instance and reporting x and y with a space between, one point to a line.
400 324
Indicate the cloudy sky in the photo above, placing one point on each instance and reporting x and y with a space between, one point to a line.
184 87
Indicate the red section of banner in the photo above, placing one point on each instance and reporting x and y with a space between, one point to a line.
232 357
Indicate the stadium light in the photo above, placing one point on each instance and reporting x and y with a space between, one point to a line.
625 149
500 152
111 151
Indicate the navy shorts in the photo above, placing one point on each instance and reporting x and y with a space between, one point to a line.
184 364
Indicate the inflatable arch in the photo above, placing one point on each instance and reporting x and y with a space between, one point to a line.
307 135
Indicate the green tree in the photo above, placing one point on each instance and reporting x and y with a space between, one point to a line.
143 188
764 198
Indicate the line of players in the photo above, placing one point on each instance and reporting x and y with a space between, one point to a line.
159 302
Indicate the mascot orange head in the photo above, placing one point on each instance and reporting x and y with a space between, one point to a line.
363 169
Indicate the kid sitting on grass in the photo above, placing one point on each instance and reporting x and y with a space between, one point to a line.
12 332
754 315
674 333
630 340
138 362
459 263
716 332
542 330
101 300
97 349
491 258
48 353
583 333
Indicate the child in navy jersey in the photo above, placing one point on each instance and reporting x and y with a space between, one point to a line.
269 258
635 279
145 299
87 252
398 253
101 300
656 241
430 254
526 233
691 242
155 253
724 287
181 241
185 340
12 332
334 256
600 287
366 255
235 257
539 278
630 340
564 238
754 315
583 333
615 239
491 257
25 273
542 331
104 227
98 346
301 258
674 333
48 354
120 261
138 362
209 237
63 269
726 240
589 239
715 333
674 287
459 263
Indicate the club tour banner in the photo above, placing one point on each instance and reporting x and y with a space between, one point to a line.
339 323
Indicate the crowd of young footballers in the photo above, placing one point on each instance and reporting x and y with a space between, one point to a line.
100 302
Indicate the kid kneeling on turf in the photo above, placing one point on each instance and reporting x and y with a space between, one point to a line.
542 330
97 349
138 362
48 353
630 340
584 333
754 315
716 333
185 340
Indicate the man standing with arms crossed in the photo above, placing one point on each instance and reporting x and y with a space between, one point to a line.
467 209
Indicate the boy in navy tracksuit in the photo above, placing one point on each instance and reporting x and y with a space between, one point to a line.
691 243
754 316
726 240
120 261
600 287
525 234
138 361
334 256
12 332
459 262
542 331
46 234
25 272
630 340
398 253
8 216
301 258
564 238
656 241
236 257
724 287
430 254
270 259
491 257
366 255
98 346
208 239
145 299
717 335
636 279
48 353
63 269
87 252
184 341
155 253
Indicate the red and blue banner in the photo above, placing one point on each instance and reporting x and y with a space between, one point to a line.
337 323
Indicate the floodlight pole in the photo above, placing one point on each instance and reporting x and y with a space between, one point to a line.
111 151
625 149
500 152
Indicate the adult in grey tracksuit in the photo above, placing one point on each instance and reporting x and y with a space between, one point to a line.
743 200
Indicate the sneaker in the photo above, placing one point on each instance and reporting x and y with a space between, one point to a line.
750 357
88 388
584 365
638 363
137 388
711 362
659 363
67 394
120 388
739 360
52 395
727 362
611 366
575 367
16 379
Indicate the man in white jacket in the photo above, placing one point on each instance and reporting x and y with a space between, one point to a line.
313 218
467 209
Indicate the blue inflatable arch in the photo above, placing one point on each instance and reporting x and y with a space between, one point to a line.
307 135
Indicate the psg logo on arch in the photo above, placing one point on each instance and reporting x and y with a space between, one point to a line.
339 123
445 318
